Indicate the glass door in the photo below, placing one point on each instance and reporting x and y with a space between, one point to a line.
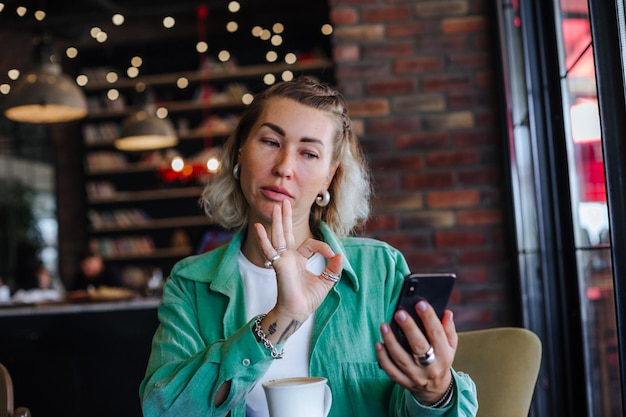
568 224
589 206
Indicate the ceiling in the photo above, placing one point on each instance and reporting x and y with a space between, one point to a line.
68 23
71 20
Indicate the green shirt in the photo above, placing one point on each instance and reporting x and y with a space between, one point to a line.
204 339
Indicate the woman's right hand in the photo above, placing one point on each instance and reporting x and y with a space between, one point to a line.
300 292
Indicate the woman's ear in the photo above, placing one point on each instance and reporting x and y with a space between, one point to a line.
330 176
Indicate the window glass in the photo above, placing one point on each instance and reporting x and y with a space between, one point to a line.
589 208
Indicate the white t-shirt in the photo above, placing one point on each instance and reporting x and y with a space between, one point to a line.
260 294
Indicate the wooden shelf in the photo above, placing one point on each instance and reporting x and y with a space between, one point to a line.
171 106
126 169
147 195
174 252
220 75
187 135
165 223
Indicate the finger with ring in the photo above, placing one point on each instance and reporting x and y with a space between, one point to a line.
425 359
270 262
329 276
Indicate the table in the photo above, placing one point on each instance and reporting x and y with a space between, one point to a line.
78 360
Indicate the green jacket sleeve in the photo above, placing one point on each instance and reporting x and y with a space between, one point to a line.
184 373
464 403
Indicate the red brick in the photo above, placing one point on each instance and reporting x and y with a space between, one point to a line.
368 107
446 82
362 70
350 88
485 79
385 14
449 120
428 180
479 176
423 140
485 296
395 162
385 184
418 65
480 217
387 50
360 33
471 318
413 201
405 242
451 158
335 3
470 99
346 53
382 222
472 275
474 138
453 198
456 238
411 30
467 24
375 146
469 60
345 16
477 257
390 87
357 126
441 8
434 42
390 125
428 260
434 219
419 103
486 117
491 197
482 41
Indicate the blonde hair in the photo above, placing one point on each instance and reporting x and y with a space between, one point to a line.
350 190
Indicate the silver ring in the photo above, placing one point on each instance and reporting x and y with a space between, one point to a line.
270 262
280 249
426 358
329 276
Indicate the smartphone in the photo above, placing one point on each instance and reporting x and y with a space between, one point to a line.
434 288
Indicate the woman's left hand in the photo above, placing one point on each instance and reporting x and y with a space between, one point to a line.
427 382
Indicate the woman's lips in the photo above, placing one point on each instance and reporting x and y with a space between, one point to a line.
275 193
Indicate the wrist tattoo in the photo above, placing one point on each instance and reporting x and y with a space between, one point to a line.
272 328
289 330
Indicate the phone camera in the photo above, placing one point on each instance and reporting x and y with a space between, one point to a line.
411 289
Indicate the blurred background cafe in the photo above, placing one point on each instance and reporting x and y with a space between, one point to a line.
494 131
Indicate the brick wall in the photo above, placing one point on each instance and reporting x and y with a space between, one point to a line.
420 80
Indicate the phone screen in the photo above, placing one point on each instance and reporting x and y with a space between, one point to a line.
434 288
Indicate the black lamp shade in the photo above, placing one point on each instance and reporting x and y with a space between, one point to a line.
144 131
46 96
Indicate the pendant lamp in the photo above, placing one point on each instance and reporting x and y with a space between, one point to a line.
46 95
144 131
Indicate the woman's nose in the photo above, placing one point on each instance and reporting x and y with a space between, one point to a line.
284 164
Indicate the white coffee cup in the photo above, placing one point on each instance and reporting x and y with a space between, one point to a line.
298 397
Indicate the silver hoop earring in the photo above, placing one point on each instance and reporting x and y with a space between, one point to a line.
322 200
236 170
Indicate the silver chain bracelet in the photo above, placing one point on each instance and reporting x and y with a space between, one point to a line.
262 337
447 397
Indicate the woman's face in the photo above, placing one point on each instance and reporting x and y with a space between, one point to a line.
287 155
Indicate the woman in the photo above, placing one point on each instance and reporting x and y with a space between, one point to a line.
292 294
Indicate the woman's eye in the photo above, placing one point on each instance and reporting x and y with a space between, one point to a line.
270 142
310 155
